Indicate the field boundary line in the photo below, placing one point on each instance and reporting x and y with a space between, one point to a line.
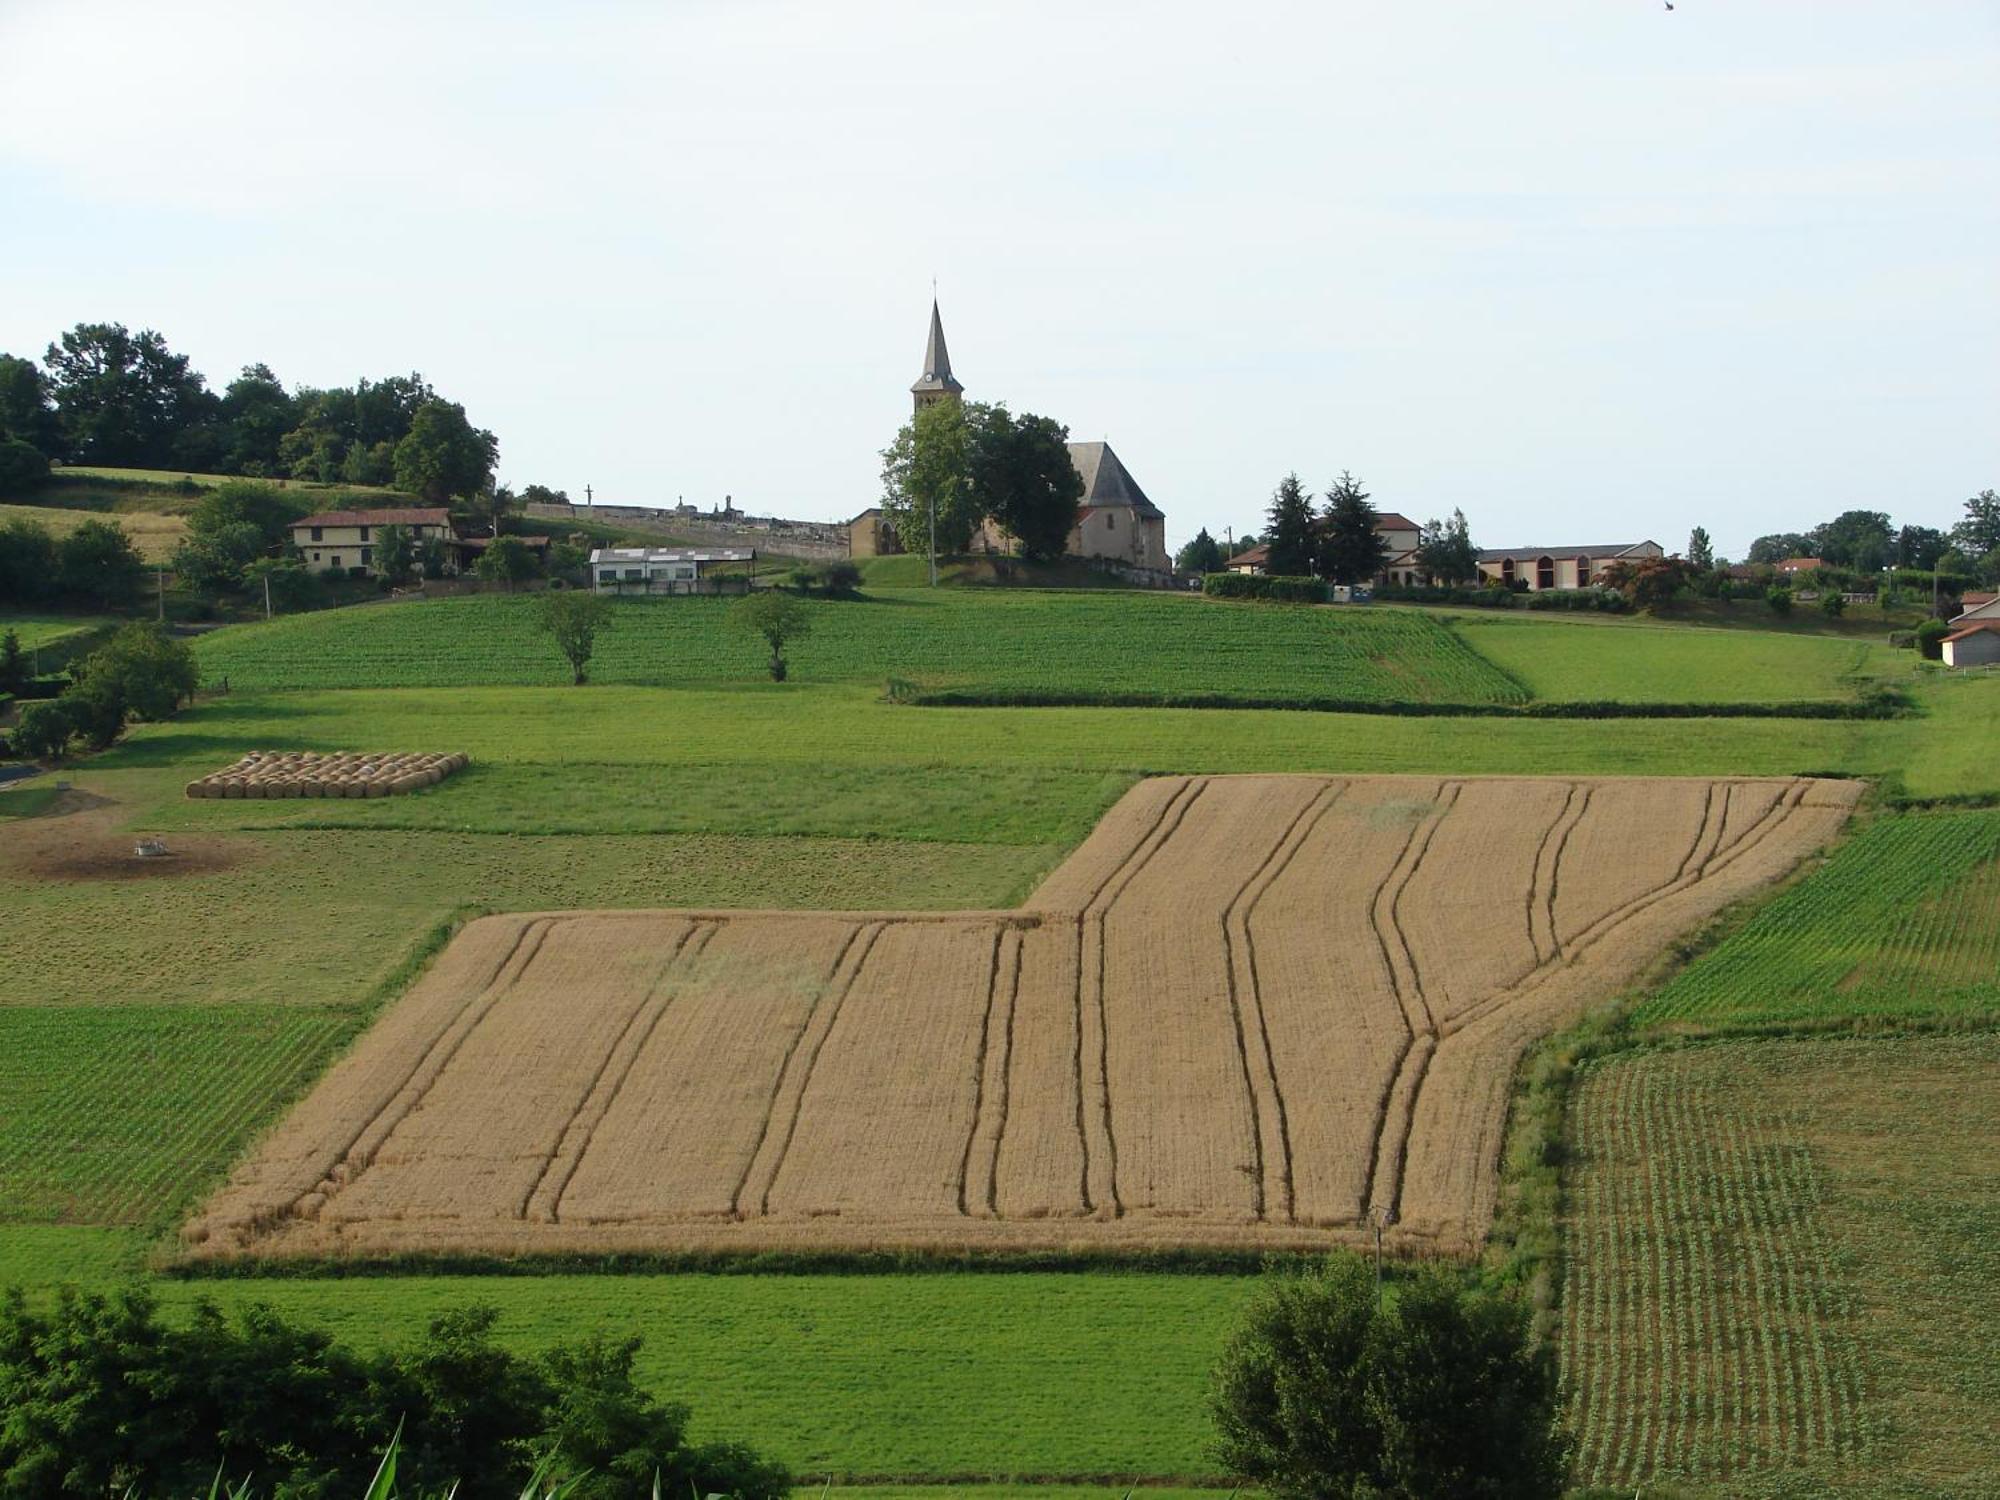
657 999
789 1096
990 1070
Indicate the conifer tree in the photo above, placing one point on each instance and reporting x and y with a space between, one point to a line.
1289 530
1350 550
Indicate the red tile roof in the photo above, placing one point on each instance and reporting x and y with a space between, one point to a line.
400 515
1390 520
1973 629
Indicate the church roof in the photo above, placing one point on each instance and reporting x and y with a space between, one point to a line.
937 360
1106 481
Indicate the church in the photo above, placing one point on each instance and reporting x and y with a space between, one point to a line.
1114 519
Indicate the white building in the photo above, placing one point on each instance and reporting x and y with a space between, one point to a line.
666 570
1973 645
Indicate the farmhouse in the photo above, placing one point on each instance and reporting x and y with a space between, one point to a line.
664 570
347 538
1114 520
1976 645
1558 567
1398 532
1977 607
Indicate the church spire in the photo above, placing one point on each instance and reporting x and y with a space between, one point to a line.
936 383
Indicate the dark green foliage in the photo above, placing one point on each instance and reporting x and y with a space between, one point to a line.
927 480
102 1395
1780 545
1444 1392
1864 540
1919 547
22 465
97 564
44 731
13 664
1347 547
1930 639
1022 477
257 412
1832 603
443 456
1978 535
1446 554
508 560
1780 600
778 617
125 398
25 412
1701 550
1289 530
395 553
229 530
1202 555
1265 586
832 580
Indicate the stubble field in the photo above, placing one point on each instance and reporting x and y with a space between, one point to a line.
1248 1011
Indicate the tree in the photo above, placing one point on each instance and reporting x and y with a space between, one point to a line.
508 560
13 664
1202 555
541 494
22 465
285 579
28 568
1780 600
216 560
230 528
122 398
927 481
432 556
574 618
444 456
1649 583
779 617
1859 539
44 731
1349 548
1919 546
257 411
1832 603
395 552
1701 551
1023 478
1324 1392
1978 534
1445 552
1288 531
143 670
25 412
1780 545
97 563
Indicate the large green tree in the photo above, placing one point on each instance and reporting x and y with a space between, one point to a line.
1860 539
927 487
443 455
1701 550
1349 549
1978 534
1445 553
1022 477
97 564
257 412
1289 530
574 617
1201 555
125 398
25 410
1779 545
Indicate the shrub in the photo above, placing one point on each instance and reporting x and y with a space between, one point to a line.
1833 604
1780 601
1325 1392
21 465
45 730
13 664
1275 589
1930 639
777 617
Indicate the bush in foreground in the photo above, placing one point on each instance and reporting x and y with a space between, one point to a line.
103 1397
1324 1392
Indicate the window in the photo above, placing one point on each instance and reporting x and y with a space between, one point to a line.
1506 570
315 557
1583 572
317 537
364 533
635 575
607 575
366 552
1545 573
1110 521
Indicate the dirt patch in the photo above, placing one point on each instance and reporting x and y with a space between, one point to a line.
80 837
1248 1012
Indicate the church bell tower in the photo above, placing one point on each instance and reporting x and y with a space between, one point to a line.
936 383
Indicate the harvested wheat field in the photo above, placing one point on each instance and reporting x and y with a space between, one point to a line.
1248 1011
312 773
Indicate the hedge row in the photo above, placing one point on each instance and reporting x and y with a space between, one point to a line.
1604 601
1275 589
1885 703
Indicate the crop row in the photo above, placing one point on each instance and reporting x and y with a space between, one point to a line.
1902 920
1085 641
1707 1331
115 1114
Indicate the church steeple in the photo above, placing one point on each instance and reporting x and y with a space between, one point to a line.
936 383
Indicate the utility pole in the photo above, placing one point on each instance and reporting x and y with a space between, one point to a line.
267 593
160 578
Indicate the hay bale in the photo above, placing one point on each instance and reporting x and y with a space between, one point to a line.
355 789
232 788
311 786
376 788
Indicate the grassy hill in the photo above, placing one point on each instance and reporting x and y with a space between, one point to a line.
1109 641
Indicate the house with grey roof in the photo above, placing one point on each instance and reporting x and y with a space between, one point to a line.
1559 567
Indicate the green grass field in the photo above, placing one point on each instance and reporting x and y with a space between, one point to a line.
1585 657
1090 640
150 1026
45 630
1784 1267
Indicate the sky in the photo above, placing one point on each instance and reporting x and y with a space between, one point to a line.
1590 270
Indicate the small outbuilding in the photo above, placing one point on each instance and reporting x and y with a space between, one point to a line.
1977 645
668 570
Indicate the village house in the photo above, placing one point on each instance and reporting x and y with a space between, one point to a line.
1399 534
1975 607
346 539
665 570
1973 645
1558 567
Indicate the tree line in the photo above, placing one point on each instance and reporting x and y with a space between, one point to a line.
1869 541
105 395
1337 540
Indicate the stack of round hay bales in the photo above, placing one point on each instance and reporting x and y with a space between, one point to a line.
310 773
